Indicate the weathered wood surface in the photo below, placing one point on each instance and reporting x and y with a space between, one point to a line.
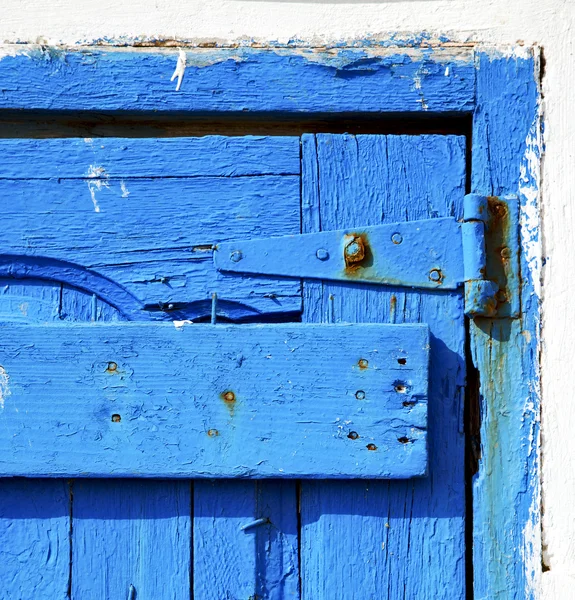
241 80
391 539
144 214
214 401
130 533
506 492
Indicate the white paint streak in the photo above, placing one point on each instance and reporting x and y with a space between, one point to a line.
4 387
181 324
180 69
529 185
97 179
125 192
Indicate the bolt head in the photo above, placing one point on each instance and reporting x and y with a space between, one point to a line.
354 250
322 254
236 256
435 275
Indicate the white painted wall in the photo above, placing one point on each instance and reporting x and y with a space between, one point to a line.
548 23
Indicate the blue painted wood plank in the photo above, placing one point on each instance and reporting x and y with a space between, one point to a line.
506 494
131 533
34 539
390 539
251 528
113 158
123 230
211 401
34 513
241 80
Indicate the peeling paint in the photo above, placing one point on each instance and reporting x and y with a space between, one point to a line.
125 192
529 185
96 181
180 324
4 387
180 69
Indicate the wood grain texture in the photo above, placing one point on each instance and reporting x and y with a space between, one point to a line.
389 539
131 533
246 540
123 219
240 80
104 158
34 539
506 502
203 401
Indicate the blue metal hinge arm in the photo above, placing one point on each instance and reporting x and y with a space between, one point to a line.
437 254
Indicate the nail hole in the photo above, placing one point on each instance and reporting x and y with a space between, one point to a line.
402 361
116 418
400 387
409 402
353 435
371 447
360 395
403 440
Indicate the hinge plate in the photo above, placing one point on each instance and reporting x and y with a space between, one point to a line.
418 254
441 254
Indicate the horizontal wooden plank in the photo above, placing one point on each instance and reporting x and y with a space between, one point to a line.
106 158
242 80
158 400
152 237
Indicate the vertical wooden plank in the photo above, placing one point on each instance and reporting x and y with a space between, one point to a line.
131 533
126 532
389 539
506 493
34 538
34 513
245 540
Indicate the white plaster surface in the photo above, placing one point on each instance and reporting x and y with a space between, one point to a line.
548 23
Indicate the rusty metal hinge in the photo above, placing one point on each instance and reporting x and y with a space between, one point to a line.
481 254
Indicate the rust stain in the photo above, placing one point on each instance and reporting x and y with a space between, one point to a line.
112 367
229 399
371 447
363 364
392 308
116 418
213 433
357 253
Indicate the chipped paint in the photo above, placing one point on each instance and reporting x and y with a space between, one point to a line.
4 387
529 185
181 324
180 69
96 182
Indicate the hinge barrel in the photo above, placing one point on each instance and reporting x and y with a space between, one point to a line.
480 293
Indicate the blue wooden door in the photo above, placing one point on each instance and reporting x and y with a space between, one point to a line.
109 230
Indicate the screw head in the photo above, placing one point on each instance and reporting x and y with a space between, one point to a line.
360 395
397 238
435 275
322 254
505 253
354 250
236 256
